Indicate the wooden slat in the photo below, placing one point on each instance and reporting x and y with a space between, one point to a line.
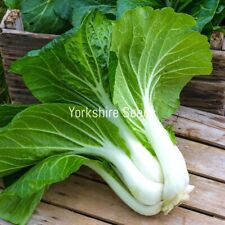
203 160
51 215
208 196
96 199
206 95
48 214
208 119
199 126
219 64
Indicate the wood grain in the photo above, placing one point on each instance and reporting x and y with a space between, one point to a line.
203 160
199 126
219 64
205 118
208 196
206 95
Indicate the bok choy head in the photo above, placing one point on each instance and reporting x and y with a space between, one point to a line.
136 68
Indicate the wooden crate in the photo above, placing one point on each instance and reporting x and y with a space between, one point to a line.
84 198
15 43
205 93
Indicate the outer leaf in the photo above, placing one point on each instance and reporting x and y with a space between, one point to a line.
73 68
66 11
8 180
124 5
180 5
203 11
83 7
17 210
45 130
51 170
18 201
157 56
220 14
13 4
7 113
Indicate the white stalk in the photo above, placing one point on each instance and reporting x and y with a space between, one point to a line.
176 178
144 190
146 163
148 166
124 195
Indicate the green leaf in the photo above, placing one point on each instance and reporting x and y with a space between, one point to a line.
8 180
157 56
73 68
124 5
63 9
19 200
180 5
171 133
203 11
39 15
45 130
18 210
57 16
7 113
49 171
81 8
13 4
220 15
